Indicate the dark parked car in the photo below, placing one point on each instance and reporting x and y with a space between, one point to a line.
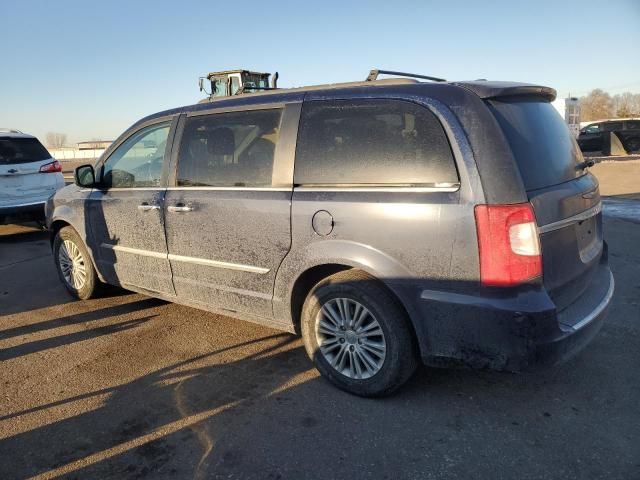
388 221
592 137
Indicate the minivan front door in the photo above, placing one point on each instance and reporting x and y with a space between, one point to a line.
228 215
125 215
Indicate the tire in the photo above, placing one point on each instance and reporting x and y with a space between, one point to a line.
633 145
72 259
371 359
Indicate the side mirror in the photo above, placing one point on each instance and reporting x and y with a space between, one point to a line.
85 176
201 83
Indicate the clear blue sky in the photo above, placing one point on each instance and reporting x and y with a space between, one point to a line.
90 69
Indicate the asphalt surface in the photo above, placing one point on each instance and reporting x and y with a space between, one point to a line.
130 387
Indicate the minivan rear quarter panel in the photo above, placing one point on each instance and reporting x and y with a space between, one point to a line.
405 237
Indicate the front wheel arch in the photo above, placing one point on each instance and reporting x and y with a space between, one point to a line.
58 225
74 264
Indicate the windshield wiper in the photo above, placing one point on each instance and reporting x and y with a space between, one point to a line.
585 164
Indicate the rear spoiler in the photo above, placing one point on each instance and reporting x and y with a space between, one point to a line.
486 90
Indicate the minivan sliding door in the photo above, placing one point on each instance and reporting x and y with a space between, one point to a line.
228 211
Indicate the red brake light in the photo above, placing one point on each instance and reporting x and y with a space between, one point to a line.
508 243
51 167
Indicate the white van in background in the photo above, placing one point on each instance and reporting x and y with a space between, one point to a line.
29 175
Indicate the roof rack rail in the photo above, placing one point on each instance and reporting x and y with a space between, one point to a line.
373 75
9 130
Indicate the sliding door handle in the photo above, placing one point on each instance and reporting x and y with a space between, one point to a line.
146 207
179 208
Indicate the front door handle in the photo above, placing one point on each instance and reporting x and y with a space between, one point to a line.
180 208
146 207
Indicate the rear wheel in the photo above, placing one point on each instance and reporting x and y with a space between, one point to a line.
633 145
358 335
74 265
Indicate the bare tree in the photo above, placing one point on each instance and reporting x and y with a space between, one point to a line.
627 104
595 106
56 140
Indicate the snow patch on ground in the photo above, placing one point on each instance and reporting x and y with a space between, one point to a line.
623 209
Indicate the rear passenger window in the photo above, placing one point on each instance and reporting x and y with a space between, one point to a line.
229 149
612 126
372 142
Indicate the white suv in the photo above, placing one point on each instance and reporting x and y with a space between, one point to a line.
28 177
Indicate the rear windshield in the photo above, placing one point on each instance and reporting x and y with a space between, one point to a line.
544 148
21 150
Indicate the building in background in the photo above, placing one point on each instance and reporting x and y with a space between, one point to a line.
86 151
94 145
569 108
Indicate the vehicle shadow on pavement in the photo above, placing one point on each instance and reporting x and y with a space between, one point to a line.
180 400
22 245
61 340
90 316
263 414
28 277
21 235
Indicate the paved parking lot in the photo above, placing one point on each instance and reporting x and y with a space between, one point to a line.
129 387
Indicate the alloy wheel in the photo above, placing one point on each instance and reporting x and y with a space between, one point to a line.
350 338
72 264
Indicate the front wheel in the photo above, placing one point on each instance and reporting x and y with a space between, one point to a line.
74 265
358 335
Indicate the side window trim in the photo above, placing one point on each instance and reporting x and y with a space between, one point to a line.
173 161
284 155
421 187
172 121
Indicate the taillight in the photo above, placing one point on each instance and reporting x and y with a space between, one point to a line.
51 167
509 244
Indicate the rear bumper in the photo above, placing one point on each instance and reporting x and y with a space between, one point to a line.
22 212
578 325
514 332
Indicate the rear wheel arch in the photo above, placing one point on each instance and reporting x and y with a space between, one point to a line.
308 279
305 283
399 352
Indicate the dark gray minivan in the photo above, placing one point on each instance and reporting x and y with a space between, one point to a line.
387 221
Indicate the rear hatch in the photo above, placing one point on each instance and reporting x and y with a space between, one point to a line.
565 197
21 181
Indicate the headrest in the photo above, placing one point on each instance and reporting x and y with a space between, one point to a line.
221 141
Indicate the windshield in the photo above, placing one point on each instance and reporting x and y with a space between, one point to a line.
219 86
21 150
545 150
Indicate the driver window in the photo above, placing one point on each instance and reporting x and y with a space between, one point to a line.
138 161
595 128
